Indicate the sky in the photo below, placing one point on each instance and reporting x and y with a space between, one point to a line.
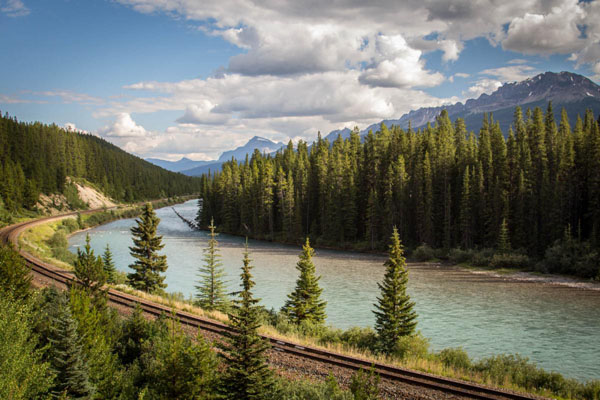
175 78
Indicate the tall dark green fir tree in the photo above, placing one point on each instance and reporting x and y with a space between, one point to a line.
66 355
394 314
109 265
89 270
503 238
247 376
304 303
210 291
148 263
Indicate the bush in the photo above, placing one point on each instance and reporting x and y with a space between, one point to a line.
415 347
58 240
455 358
307 390
570 256
459 256
70 225
510 260
482 258
365 385
362 338
423 253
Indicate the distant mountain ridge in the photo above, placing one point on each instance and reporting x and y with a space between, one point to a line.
572 91
177 166
568 90
197 168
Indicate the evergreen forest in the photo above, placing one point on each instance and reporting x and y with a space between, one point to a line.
37 158
534 191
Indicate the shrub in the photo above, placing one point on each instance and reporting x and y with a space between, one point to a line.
365 385
570 256
455 358
70 225
459 256
307 390
362 338
482 258
58 240
415 346
510 260
423 253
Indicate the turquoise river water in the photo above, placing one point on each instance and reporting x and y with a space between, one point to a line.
555 326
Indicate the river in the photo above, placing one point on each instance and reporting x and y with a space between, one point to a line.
557 327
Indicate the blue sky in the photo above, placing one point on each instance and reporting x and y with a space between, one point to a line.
173 78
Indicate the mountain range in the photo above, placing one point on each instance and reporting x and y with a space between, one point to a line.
575 93
566 90
197 168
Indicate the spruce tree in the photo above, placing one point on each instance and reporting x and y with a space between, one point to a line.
247 375
149 264
109 265
394 312
503 238
210 293
89 270
304 303
15 278
66 355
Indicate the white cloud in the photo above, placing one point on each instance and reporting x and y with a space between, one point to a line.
14 8
71 127
68 96
551 33
513 73
482 86
125 127
396 64
6 99
322 65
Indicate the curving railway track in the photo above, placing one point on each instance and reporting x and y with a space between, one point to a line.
392 373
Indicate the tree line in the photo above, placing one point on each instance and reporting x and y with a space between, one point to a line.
440 186
37 158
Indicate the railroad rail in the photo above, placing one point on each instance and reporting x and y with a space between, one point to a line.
443 384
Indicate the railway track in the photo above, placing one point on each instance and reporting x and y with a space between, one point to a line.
420 379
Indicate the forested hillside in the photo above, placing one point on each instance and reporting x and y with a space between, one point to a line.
36 158
441 186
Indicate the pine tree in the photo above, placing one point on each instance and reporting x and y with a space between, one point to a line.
394 313
66 356
15 278
149 264
247 375
304 303
504 238
89 270
109 265
210 293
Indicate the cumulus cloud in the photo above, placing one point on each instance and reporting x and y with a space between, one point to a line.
396 64
13 8
201 113
554 32
322 65
482 86
71 127
125 127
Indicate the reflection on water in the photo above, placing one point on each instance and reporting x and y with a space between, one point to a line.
557 327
